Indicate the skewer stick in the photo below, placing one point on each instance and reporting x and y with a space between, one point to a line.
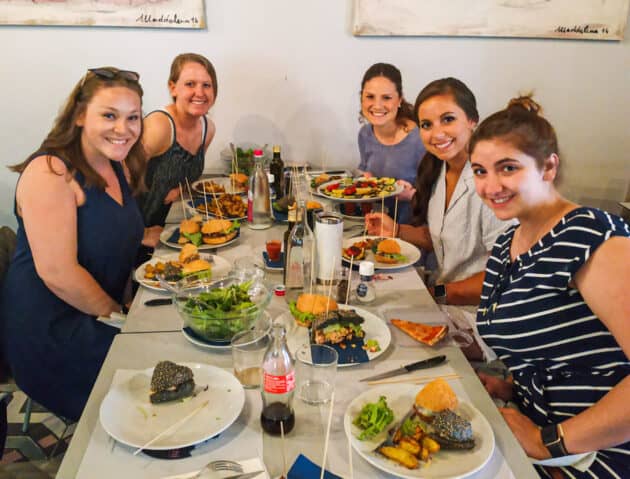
351 475
284 450
395 216
312 265
172 428
416 380
188 188
382 213
330 413
216 201
332 274
181 194
349 279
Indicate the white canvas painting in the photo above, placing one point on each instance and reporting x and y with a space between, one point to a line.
569 19
121 13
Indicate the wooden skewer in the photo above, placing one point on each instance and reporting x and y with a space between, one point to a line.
330 413
395 216
349 279
172 428
284 450
330 285
382 213
181 194
216 201
351 475
205 203
312 279
416 380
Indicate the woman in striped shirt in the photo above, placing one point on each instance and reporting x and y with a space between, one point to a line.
554 304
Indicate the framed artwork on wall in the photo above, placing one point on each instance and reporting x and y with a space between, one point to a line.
102 13
565 19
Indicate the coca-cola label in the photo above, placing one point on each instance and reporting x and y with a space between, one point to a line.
279 384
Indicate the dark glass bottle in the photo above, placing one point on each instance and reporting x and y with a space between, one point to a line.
276 168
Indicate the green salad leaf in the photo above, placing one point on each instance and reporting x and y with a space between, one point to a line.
195 238
373 418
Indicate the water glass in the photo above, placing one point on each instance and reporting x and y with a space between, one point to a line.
315 370
248 350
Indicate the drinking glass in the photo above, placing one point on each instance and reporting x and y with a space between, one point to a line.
315 370
248 349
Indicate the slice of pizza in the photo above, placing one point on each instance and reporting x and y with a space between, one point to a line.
424 333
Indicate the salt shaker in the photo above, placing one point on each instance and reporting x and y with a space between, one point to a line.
366 293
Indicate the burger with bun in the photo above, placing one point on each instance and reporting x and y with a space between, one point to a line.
189 231
191 262
388 251
308 306
219 231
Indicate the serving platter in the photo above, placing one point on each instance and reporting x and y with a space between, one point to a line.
128 416
220 268
444 463
170 234
223 181
411 252
198 206
396 189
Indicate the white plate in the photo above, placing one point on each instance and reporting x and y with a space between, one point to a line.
406 249
445 463
129 417
220 268
193 206
223 181
168 232
320 190
374 327
263 322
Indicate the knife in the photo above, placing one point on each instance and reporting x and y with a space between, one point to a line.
424 364
158 302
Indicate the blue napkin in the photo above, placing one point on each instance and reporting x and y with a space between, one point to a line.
274 264
304 468
352 353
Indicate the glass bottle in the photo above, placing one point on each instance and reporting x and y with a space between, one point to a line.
299 256
258 198
276 168
365 290
292 219
278 385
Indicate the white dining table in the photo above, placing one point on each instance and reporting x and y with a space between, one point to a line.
151 334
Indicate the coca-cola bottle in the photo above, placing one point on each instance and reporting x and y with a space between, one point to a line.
278 385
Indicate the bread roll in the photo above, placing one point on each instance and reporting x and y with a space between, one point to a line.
437 396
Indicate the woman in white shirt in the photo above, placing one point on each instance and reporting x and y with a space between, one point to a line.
449 218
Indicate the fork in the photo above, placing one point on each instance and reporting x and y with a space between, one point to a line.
220 465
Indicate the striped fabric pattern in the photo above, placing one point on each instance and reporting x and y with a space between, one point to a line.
562 357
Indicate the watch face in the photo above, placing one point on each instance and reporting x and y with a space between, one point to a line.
439 290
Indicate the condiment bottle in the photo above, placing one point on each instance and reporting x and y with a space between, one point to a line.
276 168
278 385
292 219
366 293
342 285
258 197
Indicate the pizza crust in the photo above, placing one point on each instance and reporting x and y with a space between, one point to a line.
423 333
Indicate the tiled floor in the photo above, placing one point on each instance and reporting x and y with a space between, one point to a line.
38 453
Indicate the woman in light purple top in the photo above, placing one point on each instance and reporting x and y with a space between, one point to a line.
389 144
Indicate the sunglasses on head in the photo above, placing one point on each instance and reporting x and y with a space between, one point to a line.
110 74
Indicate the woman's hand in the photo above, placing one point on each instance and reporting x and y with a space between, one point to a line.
367 174
527 433
151 236
379 224
496 387
171 196
407 192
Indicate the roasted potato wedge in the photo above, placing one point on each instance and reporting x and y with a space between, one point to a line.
411 445
430 444
400 456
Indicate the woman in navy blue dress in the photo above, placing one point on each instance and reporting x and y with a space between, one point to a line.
554 305
79 230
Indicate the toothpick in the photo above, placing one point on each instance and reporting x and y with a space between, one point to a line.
330 413
188 187
416 380
349 279
173 428
351 475
395 216
181 194
312 265
382 213
216 201
205 203
332 273
284 450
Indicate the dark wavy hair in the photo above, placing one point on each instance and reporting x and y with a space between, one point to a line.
178 65
521 125
430 166
405 111
64 140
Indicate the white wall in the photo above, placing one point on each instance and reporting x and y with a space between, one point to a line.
289 73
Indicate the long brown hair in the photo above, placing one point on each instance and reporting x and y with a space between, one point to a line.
521 125
430 166
64 140
386 70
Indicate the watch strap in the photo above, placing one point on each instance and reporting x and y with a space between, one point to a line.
439 290
553 441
